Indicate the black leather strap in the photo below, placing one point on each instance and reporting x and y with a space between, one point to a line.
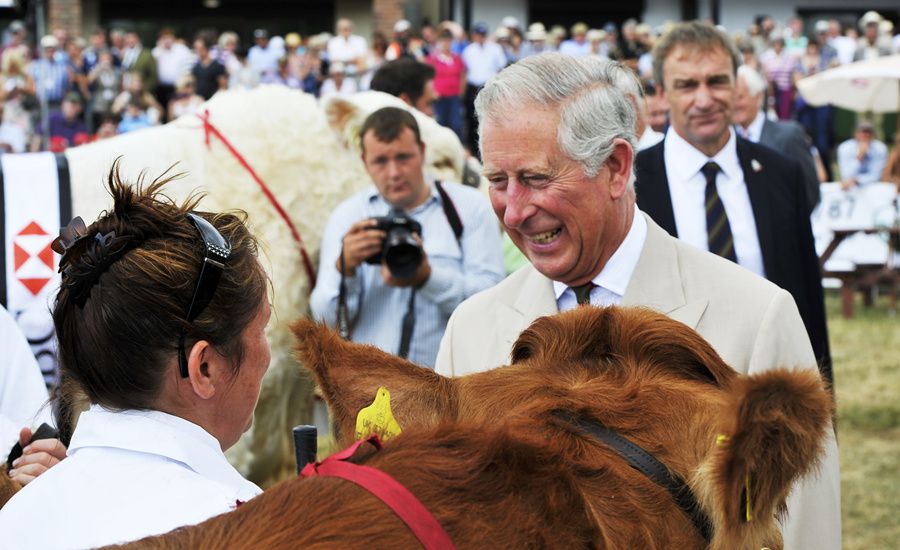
450 211
644 462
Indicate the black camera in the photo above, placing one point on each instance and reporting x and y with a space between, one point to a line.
400 250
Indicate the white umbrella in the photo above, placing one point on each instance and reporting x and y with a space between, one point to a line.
872 85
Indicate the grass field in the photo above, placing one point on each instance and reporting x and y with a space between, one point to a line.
866 354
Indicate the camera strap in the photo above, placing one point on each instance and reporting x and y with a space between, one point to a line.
343 314
451 213
406 328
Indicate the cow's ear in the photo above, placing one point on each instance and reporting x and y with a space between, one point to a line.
340 114
774 430
349 376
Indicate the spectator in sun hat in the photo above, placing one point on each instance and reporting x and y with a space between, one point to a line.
399 46
869 45
51 77
536 40
578 45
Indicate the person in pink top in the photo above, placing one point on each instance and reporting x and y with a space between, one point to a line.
449 83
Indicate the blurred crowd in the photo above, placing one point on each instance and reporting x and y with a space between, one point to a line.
112 83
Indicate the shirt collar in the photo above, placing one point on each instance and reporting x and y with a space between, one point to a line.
754 130
617 272
156 433
375 197
684 161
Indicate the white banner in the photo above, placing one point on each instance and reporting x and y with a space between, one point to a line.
31 220
871 206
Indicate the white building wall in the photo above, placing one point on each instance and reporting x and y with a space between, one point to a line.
736 15
492 12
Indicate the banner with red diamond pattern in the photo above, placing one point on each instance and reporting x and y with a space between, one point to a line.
31 221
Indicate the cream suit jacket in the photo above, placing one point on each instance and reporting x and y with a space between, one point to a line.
751 323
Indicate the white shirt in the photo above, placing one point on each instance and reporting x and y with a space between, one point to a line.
264 61
614 277
753 132
347 50
128 475
649 138
22 390
173 63
483 61
687 187
329 88
573 48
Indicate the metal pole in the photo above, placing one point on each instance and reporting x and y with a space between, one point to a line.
41 87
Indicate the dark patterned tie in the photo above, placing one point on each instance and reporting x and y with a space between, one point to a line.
583 294
718 230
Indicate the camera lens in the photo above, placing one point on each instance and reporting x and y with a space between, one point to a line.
402 253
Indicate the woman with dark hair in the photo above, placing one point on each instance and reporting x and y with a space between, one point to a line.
161 320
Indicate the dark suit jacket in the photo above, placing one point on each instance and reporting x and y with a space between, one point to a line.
789 139
777 196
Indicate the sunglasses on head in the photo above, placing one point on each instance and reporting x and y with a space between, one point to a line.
215 255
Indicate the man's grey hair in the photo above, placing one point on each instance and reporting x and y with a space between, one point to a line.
587 91
755 82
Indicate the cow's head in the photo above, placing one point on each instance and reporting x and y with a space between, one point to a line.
736 440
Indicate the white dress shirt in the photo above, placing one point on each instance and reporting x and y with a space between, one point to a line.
483 61
753 131
687 187
128 475
614 277
347 50
173 63
22 390
649 138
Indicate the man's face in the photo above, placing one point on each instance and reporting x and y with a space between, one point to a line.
71 109
871 32
567 224
345 28
49 53
396 168
131 40
657 112
699 87
863 136
425 103
745 105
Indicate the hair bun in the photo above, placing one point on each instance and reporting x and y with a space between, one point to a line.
82 272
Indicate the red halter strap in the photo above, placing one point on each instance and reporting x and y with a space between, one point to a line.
387 489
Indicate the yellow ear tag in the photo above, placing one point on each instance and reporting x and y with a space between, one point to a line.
377 418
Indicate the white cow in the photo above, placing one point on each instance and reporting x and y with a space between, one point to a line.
310 161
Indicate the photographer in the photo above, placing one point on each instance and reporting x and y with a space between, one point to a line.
440 242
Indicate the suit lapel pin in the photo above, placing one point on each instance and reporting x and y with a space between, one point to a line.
757 167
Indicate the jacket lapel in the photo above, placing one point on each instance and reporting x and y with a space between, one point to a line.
652 188
657 282
761 199
535 298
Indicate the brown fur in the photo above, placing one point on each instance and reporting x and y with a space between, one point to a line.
8 487
485 454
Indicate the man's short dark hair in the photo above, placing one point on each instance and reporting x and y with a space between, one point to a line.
388 123
692 34
403 76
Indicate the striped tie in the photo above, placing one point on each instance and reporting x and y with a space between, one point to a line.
583 293
718 230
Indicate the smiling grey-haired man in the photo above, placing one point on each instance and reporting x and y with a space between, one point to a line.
557 138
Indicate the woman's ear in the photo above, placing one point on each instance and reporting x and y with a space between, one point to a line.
200 372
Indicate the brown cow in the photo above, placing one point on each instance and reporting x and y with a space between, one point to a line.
8 487
493 459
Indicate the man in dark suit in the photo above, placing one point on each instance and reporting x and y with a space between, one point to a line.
787 137
719 192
